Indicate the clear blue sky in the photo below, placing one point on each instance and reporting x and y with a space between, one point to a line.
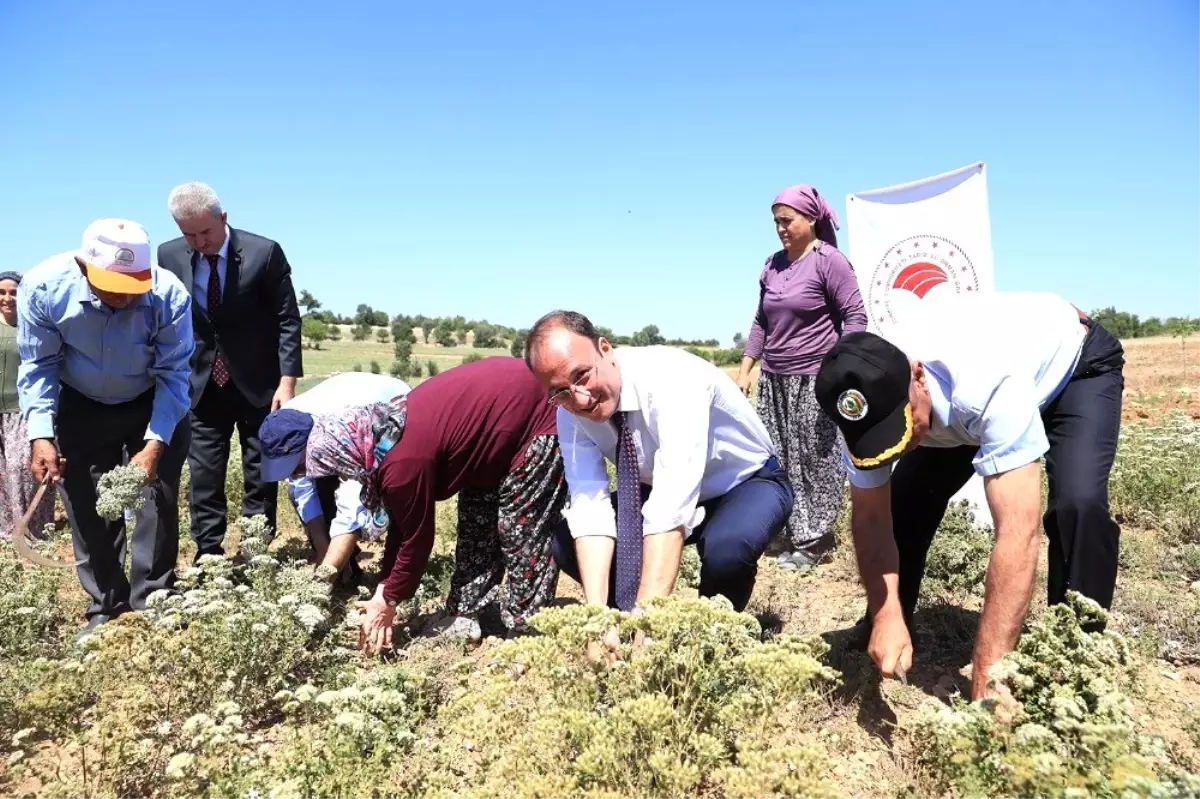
496 160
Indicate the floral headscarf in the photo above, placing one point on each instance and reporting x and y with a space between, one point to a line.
343 444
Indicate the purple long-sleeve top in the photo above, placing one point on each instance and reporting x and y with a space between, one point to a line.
805 306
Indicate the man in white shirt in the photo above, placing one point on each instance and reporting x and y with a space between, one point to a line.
329 507
986 384
700 468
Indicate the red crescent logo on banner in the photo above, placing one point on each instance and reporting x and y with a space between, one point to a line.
919 278
912 268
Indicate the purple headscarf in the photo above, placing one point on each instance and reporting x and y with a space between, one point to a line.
808 201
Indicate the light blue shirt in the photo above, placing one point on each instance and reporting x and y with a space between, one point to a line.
332 395
201 270
993 363
66 335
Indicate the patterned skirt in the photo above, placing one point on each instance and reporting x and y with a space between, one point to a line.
810 451
507 533
17 485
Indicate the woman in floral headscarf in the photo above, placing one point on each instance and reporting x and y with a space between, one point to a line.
808 298
17 485
484 432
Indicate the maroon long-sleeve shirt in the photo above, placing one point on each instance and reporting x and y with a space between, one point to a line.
806 305
468 427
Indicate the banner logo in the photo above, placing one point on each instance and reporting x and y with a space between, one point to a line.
913 269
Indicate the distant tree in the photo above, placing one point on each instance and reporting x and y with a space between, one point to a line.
1152 327
335 332
399 369
309 302
403 350
647 336
432 367
517 348
364 314
357 367
314 330
360 332
605 332
1121 324
402 330
380 319
415 370
485 336
472 358
375 368
444 335
739 341
711 342
382 335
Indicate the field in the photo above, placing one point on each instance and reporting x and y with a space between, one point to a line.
248 684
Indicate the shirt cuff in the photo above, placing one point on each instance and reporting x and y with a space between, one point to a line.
1009 461
40 425
308 505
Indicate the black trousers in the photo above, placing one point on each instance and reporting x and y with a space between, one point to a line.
735 532
1082 425
213 420
95 438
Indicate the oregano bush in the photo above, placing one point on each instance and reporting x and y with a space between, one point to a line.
1063 726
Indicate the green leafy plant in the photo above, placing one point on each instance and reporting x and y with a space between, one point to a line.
958 557
1062 727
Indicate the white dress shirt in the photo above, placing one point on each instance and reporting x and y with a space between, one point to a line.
993 363
697 437
331 396
202 269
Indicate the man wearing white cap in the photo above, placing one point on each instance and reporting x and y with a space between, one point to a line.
105 340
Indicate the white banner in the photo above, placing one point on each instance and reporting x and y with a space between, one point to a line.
915 243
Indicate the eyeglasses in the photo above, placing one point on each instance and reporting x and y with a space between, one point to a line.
574 392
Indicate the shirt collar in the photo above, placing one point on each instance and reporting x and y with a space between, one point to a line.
224 253
628 400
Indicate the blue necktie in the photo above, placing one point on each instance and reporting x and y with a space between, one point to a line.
629 516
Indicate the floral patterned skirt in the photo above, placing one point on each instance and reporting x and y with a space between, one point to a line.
508 531
17 485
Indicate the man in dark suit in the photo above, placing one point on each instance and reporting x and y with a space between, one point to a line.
247 357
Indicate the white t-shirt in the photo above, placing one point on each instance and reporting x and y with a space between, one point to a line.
993 362
331 396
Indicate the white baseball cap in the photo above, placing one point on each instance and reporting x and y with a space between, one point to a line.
117 255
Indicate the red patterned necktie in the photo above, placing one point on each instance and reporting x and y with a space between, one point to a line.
220 370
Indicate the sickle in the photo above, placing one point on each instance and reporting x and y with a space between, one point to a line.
22 530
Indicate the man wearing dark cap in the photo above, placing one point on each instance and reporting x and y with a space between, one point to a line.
985 384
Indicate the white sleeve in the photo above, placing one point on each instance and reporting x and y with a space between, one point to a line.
1009 427
589 510
352 515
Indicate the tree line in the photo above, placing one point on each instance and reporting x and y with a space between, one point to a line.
406 331
1123 324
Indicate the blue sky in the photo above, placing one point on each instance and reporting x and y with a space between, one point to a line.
499 160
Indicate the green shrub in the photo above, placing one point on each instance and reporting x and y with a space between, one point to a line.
694 711
375 368
958 557
236 633
472 358
432 367
1064 727
1155 482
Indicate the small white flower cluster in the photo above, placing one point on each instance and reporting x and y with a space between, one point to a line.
373 715
119 490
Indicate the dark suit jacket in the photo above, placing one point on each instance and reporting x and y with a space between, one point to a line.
257 326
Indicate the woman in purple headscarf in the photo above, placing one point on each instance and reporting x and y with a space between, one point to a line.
808 297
